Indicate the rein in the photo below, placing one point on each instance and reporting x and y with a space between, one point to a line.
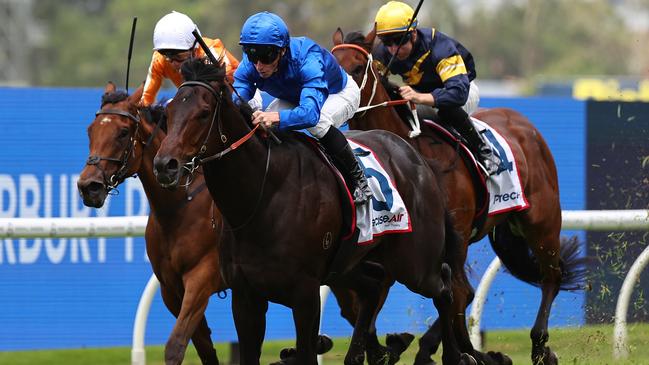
120 175
414 124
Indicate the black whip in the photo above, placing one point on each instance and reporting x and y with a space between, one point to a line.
130 51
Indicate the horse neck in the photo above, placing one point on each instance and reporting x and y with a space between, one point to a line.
235 180
385 117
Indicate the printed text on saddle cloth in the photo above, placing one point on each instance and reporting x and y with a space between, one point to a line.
504 186
386 213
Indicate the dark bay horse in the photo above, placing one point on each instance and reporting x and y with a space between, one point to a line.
282 203
527 242
180 239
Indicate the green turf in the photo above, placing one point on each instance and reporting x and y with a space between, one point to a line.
585 345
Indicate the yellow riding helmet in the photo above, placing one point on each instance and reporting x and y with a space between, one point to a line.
394 17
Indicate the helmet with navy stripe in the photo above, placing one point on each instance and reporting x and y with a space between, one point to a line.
265 28
394 17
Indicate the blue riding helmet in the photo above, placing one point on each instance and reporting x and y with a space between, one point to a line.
265 28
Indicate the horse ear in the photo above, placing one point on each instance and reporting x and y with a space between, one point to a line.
371 36
137 94
338 37
110 88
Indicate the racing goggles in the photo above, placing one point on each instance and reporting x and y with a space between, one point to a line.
396 39
261 53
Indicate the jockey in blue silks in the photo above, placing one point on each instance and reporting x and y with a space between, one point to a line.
311 90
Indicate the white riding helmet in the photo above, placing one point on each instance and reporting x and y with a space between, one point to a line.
174 31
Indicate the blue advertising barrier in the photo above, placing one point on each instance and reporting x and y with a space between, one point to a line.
72 293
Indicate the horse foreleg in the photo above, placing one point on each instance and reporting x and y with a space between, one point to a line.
306 316
194 302
249 313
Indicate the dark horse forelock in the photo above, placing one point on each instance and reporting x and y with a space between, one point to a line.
199 70
357 38
114 97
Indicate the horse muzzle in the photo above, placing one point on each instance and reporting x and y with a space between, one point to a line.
167 171
93 192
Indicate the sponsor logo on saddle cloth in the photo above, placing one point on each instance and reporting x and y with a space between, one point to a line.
386 213
504 186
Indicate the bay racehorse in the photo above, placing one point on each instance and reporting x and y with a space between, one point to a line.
180 239
183 226
527 242
283 205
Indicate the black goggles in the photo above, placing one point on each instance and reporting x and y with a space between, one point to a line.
395 39
263 54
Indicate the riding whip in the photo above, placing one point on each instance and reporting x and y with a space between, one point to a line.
130 51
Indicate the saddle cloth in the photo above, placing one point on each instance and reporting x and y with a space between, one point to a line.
386 212
504 186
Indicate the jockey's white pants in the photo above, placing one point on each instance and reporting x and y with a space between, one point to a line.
336 110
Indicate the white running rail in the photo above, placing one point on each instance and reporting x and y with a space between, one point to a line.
600 220
592 220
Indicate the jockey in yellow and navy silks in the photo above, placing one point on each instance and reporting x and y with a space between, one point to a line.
310 88
438 71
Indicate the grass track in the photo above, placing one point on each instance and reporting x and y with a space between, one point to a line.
590 345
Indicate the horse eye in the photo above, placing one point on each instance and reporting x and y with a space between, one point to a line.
123 132
358 70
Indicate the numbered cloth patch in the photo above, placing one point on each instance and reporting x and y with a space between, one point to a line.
386 213
504 186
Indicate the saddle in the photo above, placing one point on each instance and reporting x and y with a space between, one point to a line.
432 124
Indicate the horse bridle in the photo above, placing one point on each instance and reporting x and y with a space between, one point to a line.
93 160
368 67
414 125
198 160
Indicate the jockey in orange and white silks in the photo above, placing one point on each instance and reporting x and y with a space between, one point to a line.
174 43
312 91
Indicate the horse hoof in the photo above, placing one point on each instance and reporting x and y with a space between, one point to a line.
546 358
398 342
424 360
466 359
324 344
287 352
500 358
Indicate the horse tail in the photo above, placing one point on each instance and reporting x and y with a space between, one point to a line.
518 259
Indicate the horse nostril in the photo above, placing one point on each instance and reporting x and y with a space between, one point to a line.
172 165
90 187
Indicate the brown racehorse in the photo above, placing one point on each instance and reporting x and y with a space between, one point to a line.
282 204
528 242
183 225
180 239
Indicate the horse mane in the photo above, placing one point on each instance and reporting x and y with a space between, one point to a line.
114 97
156 114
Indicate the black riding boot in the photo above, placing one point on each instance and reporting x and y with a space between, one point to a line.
337 147
459 119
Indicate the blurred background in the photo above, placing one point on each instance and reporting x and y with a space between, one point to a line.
579 69
527 47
